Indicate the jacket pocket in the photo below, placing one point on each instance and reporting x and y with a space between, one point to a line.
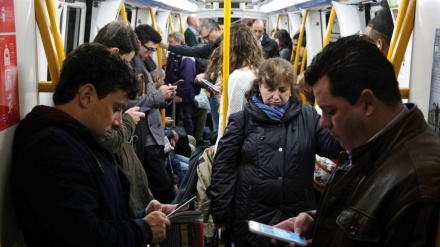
358 226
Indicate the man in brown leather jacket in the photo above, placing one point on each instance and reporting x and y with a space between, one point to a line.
386 190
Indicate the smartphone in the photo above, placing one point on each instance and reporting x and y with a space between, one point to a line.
179 82
181 205
211 86
276 233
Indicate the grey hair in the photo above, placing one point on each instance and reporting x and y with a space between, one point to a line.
208 25
177 36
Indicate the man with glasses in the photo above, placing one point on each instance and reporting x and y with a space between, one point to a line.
210 31
153 134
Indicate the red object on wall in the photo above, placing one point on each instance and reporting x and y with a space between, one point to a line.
9 103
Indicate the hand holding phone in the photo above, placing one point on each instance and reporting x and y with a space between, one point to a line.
276 233
213 87
179 82
181 205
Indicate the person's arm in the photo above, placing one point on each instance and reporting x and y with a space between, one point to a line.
225 168
203 51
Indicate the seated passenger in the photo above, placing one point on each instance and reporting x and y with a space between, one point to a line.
264 166
67 190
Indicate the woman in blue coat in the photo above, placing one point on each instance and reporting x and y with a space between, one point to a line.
263 168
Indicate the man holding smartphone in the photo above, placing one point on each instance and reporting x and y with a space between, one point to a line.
386 190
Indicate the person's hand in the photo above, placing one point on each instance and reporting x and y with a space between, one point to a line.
168 91
168 121
158 222
163 45
301 224
135 113
178 99
175 136
199 78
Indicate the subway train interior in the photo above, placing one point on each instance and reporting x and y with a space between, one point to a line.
36 36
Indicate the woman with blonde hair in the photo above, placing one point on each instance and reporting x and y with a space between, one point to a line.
246 55
264 165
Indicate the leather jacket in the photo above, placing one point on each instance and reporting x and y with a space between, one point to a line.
390 196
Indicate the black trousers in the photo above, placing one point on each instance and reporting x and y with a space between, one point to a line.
159 180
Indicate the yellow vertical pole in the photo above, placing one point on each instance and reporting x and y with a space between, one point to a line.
403 37
123 13
330 26
226 48
55 31
276 25
303 64
400 16
153 25
170 20
300 38
181 25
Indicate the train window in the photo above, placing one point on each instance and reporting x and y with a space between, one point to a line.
71 40
233 5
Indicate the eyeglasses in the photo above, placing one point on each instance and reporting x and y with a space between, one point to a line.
207 36
149 49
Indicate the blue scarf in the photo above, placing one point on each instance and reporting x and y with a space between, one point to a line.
274 113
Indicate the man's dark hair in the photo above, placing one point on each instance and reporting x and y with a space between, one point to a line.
146 33
93 63
353 64
120 35
383 25
304 41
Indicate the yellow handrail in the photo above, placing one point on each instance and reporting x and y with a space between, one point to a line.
400 17
123 13
170 20
55 32
276 25
300 38
226 48
53 63
403 38
304 61
331 20
153 25
181 25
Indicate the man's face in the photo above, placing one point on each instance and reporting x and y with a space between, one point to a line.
210 36
173 41
346 122
147 50
258 30
107 113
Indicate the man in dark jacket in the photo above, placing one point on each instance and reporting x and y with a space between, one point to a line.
191 32
181 68
270 47
210 31
386 190
67 190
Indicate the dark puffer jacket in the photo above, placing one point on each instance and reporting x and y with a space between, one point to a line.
264 172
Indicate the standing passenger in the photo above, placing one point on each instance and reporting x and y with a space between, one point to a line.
191 32
120 38
386 189
380 28
263 168
67 190
270 47
153 162
246 57
282 37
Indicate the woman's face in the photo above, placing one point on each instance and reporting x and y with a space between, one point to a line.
277 95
